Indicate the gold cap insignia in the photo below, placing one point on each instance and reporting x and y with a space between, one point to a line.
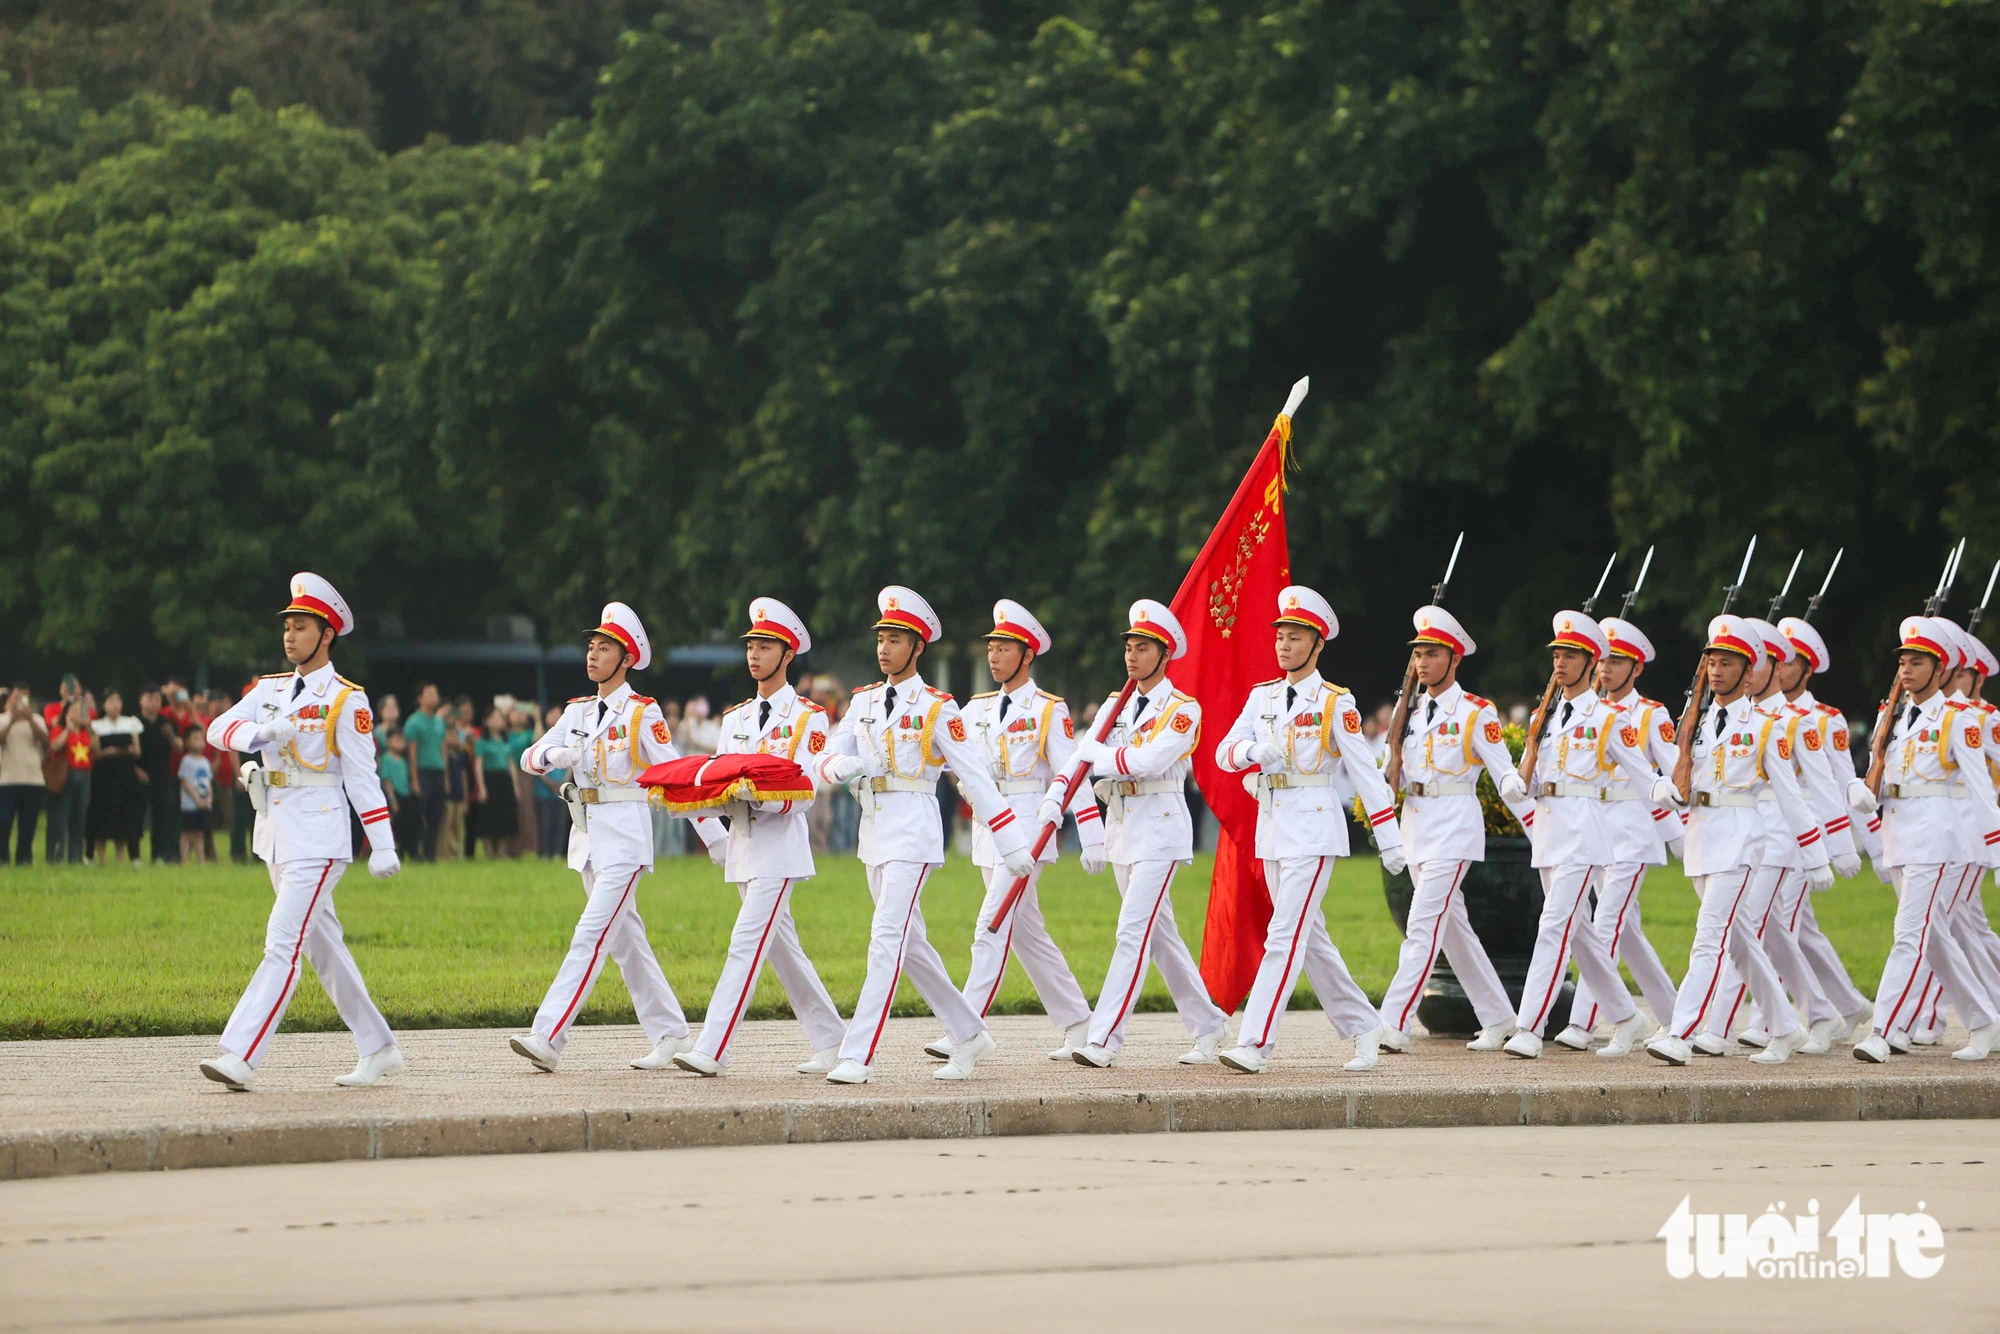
892 604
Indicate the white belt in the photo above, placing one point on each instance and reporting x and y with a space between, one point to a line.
1901 791
1279 782
300 778
1587 791
598 796
1150 788
891 783
1443 789
1020 787
1621 794
1725 799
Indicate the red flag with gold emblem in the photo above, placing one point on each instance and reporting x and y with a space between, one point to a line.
1226 605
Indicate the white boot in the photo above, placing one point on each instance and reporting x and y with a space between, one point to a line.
1754 1037
232 1072
705 1066
1244 1060
1708 1044
1627 1035
848 1072
1858 1022
822 1062
1670 1049
375 1066
1204 1047
940 1047
662 1056
1092 1055
1394 1039
1899 1042
1575 1037
1924 1037
1821 1036
1367 1051
964 1056
1981 1044
536 1048
1780 1048
1491 1039
1075 1036
1872 1049
1524 1044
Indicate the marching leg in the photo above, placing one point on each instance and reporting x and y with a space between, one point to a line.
303 888
1297 886
765 900
1722 895
1566 929
340 977
1199 1014
1435 884
1042 960
811 1002
1143 890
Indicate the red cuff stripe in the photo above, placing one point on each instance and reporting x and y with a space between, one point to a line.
375 816
1386 813
1089 812
1807 840
1837 825
1875 825
1000 821
1659 814
1120 757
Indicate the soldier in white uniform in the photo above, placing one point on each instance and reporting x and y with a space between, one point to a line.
315 737
1027 736
768 851
1938 815
897 737
1640 832
1297 732
1452 735
1736 753
1143 769
1586 739
606 740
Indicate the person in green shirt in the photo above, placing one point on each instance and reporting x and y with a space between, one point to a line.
499 814
425 731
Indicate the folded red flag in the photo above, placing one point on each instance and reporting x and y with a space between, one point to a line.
700 782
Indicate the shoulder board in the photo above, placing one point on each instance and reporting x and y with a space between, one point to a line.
1645 703
581 699
1800 710
935 692
1186 698
644 699
1615 708
1338 691
1827 708
1477 701
741 704
809 706
872 685
274 676
1273 681
987 695
351 685
1053 699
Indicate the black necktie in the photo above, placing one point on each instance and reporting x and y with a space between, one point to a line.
1910 719
298 684
601 708
1139 712
1291 693
1567 706
889 701
763 714
1005 700
1431 713
1721 716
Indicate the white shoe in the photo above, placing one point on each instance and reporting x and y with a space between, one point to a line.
1980 1045
1872 1048
1924 1037
1780 1048
1575 1037
1393 1039
705 1066
662 1056
1899 1042
848 1072
1091 1055
1754 1037
1204 1047
1628 1035
964 1056
379 1065
941 1047
1858 1022
1708 1044
822 1062
1367 1051
1821 1037
1670 1049
1524 1044
232 1072
536 1048
1244 1060
1076 1035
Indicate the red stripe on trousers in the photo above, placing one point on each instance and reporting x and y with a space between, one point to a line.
1005 949
293 975
1562 951
1617 930
1922 936
1744 989
1139 972
1962 895
756 966
1721 951
1437 928
583 985
1298 933
902 943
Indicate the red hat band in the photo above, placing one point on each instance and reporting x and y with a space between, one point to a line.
1923 645
1734 645
1570 639
622 635
1009 630
773 630
1621 649
1299 616
1153 632
1439 637
305 603
903 620
1804 650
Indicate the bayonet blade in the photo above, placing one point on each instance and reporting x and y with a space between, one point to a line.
1452 564
1637 584
1989 585
1590 603
1748 552
1812 603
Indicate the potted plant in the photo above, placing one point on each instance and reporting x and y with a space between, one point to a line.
1503 901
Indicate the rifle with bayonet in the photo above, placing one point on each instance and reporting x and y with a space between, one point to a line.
1697 695
1972 627
1632 593
1392 769
1885 722
1778 602
1812 603
1538 724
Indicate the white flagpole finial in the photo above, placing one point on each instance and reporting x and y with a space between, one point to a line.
1298 395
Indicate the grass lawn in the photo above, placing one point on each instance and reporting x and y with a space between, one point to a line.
90 952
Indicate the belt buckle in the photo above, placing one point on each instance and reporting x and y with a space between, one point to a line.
1546 790
587 795
1128 789
275 778
1277 782
1417 789
1704 798
878 785
1892 790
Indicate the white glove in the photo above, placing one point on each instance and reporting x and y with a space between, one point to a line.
279 731
1092 858
561 757
383 863
1665 794
1678 847
1819 877
1512 789
1267 757
243 774
718 852
1018 863
1051 809
873 766
1092 752
1394 862
1847 865
1860 799
843 768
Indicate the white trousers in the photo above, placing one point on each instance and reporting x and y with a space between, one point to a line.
1026 936
610 928
1147 933
1568 930
1824 959
1925 943
1968 922
1727 925
1437 921
303 922
897 945
1617 887
1790 926
1809 1000
1297 942
764 931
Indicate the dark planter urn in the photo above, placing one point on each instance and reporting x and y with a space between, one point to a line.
1503 899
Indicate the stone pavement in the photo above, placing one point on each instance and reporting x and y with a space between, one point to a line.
134 1104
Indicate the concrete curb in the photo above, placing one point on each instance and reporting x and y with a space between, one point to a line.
163 1147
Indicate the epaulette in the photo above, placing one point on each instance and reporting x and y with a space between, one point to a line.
643 699
1477 701
1053 699
940 694
1651 703
809 705
1615 708
986 695
579 699
351 685
1338 690
273 676
1824 707
741 704
1273 681
1185 698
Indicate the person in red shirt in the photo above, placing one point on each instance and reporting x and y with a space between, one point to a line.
69 808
